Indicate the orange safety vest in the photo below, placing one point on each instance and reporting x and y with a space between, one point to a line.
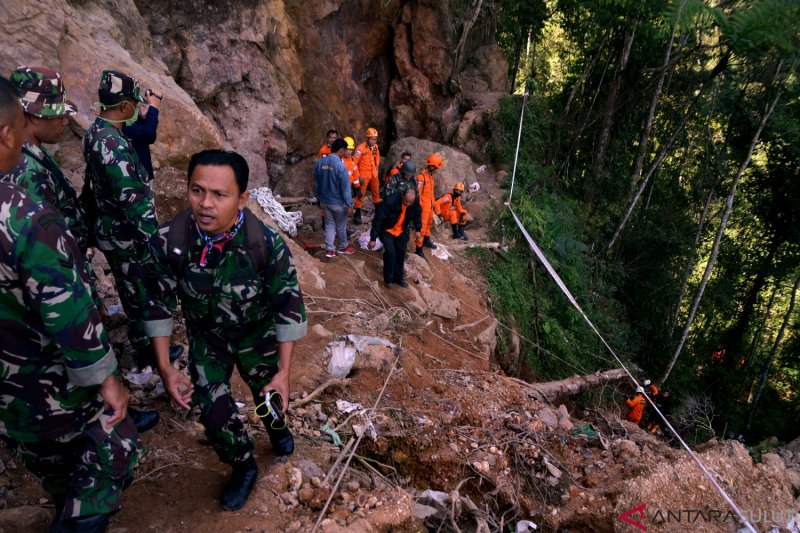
397 229
425 189
392 172
325 150
367 160
352 169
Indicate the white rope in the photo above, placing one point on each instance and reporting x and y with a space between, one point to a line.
286 220
568 294
519 139
574 303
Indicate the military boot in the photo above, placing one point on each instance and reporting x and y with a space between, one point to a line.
428 243
357 216
281 439
237 489
456 234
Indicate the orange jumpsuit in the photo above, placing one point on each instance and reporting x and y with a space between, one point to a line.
426 202
637 408
368 160
352 171
451 211
325 150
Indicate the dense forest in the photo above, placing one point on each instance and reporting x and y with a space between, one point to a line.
658 170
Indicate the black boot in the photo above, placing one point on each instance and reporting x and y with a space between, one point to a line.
238 487
357 216
420 253
455 231
429 243
93 523
461 233
281 440
144 420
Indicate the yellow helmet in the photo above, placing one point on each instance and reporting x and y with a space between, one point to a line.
351 144
371 132
434 160
459 187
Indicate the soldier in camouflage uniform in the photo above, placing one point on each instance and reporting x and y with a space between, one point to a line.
243 307
123 203
403 180
44 101
62 407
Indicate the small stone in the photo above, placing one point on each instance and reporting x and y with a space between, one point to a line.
316 433
305 495
43 501
322 417
294 526
353 486
295 479
473 445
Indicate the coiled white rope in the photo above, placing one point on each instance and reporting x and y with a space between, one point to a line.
286 220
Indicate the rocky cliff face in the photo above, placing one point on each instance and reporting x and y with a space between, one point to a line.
268 77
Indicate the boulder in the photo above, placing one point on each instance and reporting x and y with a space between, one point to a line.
793 477
548 417
773 461
439 303
417 268
458 166
25 518
564 421
624 449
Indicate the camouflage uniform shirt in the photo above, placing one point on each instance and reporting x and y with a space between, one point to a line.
40 176
126 216
228 303
55 350
399 183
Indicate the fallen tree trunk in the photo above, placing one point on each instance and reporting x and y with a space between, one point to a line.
553 390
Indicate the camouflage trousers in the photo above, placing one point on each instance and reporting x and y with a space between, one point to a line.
211 363
129 279
85 472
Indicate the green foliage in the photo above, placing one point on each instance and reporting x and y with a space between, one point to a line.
724 61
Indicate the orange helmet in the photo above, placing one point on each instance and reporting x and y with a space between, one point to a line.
371 132
459 187
434 160
351 144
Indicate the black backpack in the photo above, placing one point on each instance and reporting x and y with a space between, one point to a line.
179 241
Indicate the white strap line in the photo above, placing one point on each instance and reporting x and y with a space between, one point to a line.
519 138
572 300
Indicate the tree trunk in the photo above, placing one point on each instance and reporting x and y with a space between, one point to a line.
517 53
553 390
715 249
611 103
651 112
690 261
582 79
772 353
663 152
468 23
761 323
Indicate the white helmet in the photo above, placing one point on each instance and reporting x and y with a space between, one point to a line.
647 383
639 389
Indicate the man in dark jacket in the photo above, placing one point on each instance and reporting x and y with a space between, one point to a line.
393 219
143 132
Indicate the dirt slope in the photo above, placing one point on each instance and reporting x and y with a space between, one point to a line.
449 421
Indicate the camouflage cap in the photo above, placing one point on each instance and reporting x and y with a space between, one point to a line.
41 92
115 85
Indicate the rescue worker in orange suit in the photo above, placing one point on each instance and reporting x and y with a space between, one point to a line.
427 202
326 148
448 206
368 158
652 392
405 156
352 167
637 405
664 404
